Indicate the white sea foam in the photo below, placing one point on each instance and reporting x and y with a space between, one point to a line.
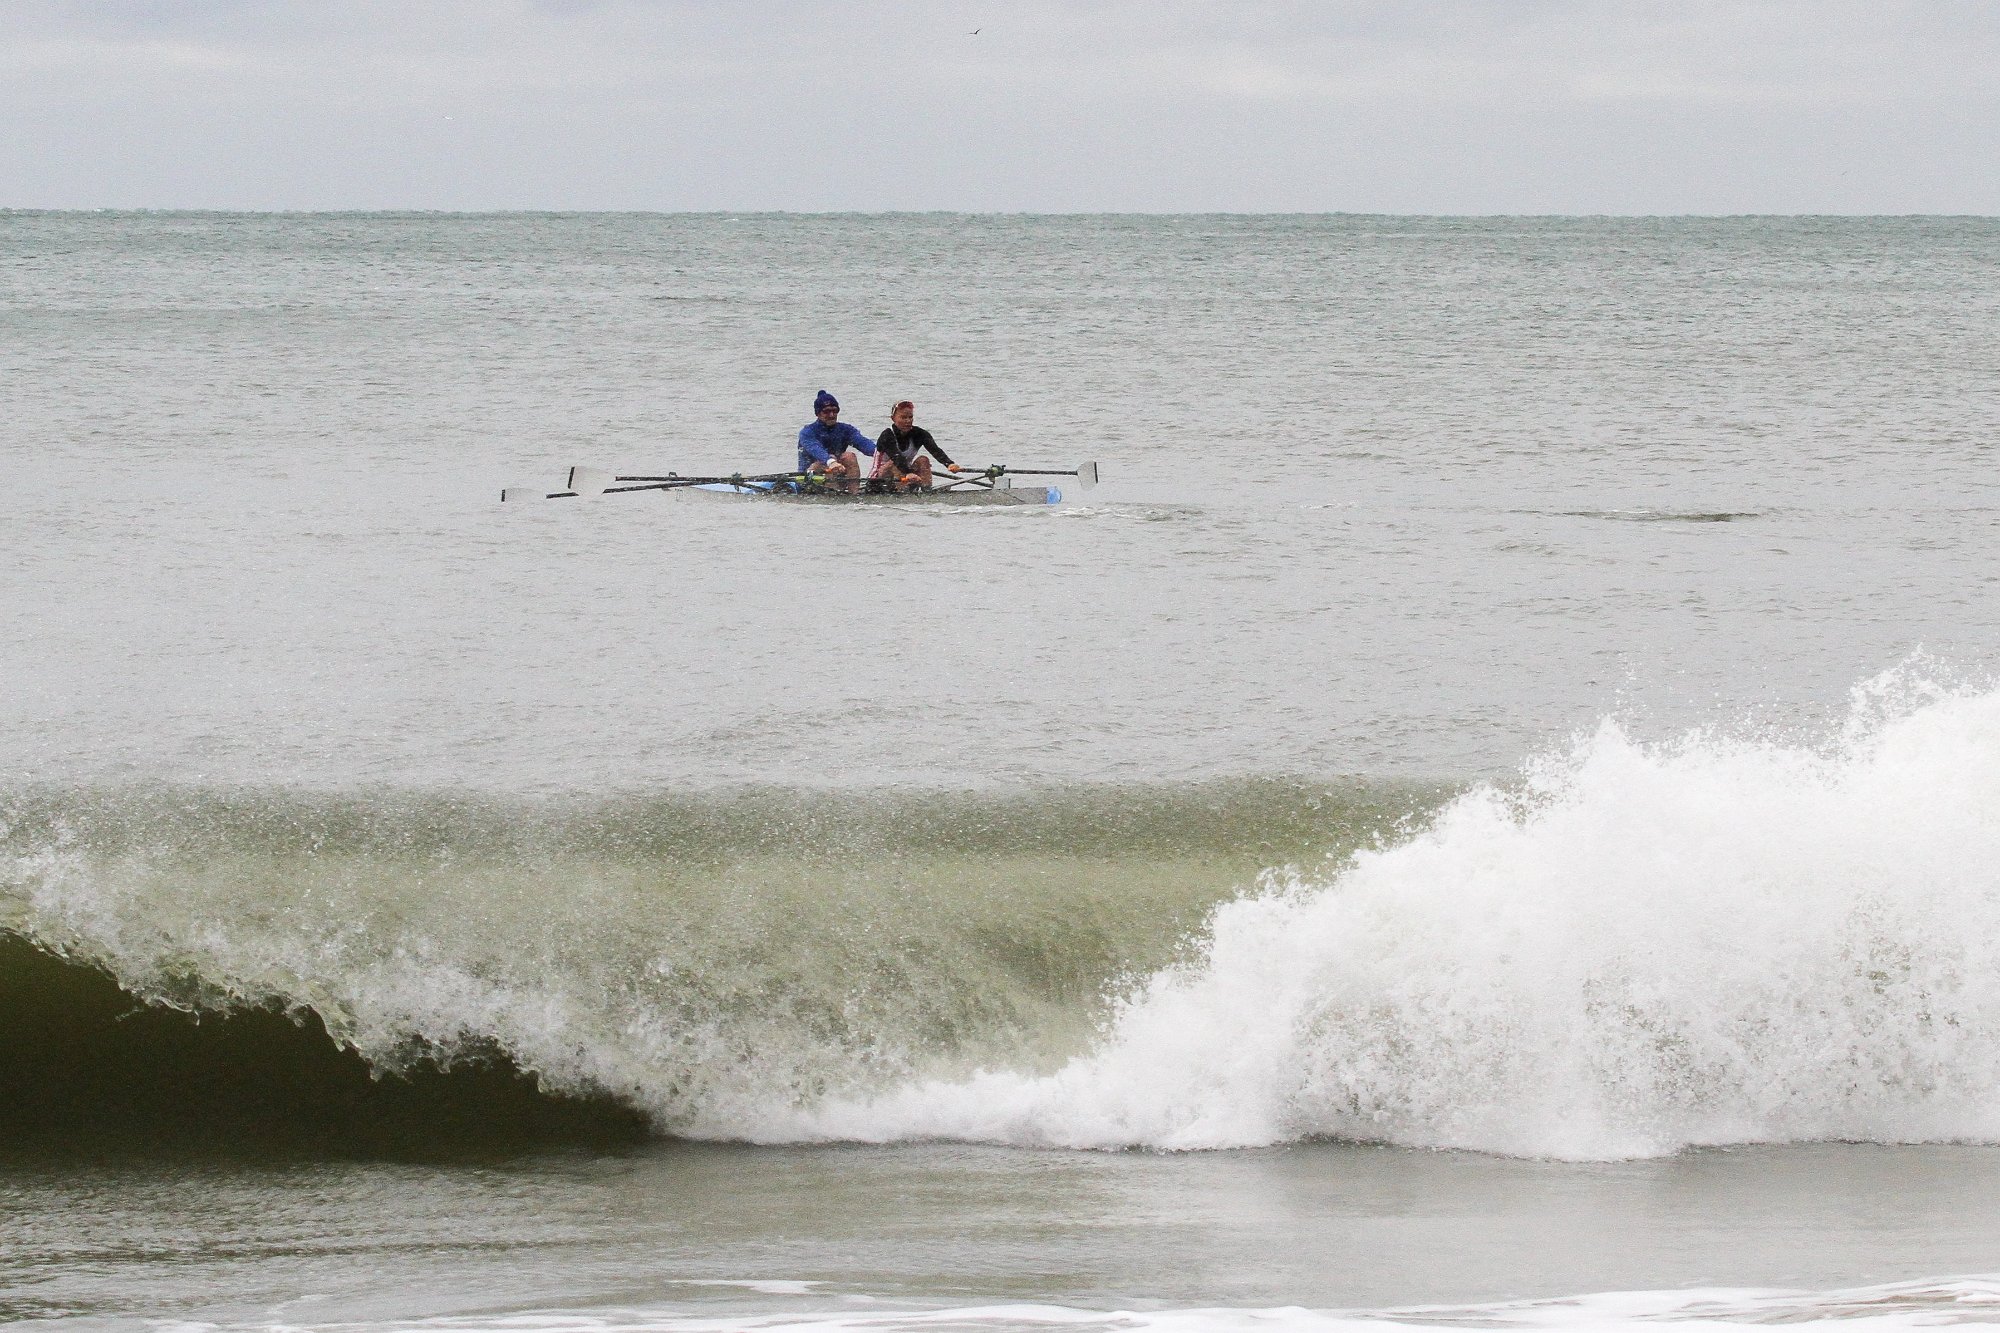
1909 1305
1647 947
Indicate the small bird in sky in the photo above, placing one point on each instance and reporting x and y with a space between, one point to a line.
975 32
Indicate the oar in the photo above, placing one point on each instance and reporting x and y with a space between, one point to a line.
676 479
528 493
1085 473
595 481
967 477
588 481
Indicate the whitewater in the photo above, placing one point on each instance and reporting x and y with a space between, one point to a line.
1634 950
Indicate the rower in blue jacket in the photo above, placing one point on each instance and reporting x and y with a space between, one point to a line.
830 447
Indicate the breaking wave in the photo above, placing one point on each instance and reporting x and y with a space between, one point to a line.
708 963
1629 949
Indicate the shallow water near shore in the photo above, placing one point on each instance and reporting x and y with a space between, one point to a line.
672 1234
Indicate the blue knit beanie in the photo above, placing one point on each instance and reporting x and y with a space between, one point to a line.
824 401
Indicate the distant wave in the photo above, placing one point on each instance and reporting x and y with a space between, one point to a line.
1663 515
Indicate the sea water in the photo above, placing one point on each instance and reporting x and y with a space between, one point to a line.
1485 815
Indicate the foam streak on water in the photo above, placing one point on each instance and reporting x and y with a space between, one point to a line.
1908 1305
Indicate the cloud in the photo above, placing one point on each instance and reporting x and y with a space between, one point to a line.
1453 105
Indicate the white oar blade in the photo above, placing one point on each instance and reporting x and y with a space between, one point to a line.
589 480
513 493
1086 474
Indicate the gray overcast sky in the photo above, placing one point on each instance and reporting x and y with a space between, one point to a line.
1430 106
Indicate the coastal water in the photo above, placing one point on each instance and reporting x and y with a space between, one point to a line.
1487 807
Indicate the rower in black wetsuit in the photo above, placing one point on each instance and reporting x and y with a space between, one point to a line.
899 452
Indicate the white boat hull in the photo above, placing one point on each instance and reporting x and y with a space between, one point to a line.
953 495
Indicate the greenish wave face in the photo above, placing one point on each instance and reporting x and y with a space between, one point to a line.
705 960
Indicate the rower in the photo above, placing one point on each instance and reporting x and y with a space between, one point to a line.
899 451
831 448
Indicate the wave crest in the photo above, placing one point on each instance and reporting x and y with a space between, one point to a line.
717 962
1634 950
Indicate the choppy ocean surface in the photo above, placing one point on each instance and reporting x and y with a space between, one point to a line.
1489 815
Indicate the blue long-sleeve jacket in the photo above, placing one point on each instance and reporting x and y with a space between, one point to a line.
819 443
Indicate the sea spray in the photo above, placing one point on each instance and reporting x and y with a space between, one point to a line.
1637 949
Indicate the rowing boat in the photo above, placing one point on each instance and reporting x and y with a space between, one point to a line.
991 485
965 494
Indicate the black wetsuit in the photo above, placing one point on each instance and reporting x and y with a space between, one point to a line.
902 449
